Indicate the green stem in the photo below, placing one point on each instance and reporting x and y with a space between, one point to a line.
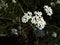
22 11
55 27
21 7
37 41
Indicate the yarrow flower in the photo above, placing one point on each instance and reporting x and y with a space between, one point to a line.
37 19
41 23
48 10
26 17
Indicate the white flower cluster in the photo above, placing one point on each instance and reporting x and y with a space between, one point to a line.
48 10
26 17
36 20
